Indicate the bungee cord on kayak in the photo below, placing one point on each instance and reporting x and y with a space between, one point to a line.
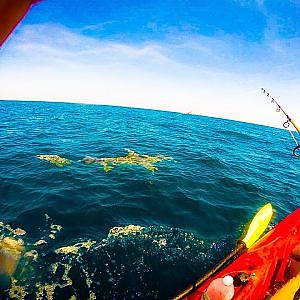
287 123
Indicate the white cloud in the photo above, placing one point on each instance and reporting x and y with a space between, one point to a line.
208 76
250 2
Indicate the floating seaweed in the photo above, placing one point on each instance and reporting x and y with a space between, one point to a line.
126 230
10 254
55 159
75 248
40 242
32 254
27 270
54 229
136 230
88 269
15 232
132 158
16 291
108 163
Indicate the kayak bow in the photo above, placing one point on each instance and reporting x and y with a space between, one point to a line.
264 268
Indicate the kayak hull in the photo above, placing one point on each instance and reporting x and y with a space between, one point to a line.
263 268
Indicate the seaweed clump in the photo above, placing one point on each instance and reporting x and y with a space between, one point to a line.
125 231
10 254
74 249
132 158
55 159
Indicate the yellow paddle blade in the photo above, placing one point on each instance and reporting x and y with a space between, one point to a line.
258 225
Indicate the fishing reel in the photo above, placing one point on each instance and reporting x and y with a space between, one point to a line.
296 149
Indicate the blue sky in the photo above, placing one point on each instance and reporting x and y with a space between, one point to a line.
143 20
207 57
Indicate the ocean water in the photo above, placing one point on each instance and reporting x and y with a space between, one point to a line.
190 212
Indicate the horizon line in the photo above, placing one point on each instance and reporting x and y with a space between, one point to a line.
152 109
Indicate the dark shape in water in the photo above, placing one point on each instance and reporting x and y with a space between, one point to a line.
132 158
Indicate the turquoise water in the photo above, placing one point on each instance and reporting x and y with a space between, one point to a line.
191 210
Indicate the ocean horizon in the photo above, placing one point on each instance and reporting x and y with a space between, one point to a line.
184 112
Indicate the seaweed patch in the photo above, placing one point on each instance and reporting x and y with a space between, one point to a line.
28 271
54 229
108 163
15 232
40 242
10 254
132 158
16 291
55 159
124 231
73 249
88 269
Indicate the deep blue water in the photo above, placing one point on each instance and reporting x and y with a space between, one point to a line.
193 208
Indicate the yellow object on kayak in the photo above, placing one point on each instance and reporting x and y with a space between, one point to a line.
258 225
288 291
256 228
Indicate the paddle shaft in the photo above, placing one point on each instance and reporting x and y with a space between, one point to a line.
241 247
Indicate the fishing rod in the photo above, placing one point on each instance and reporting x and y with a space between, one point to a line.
287 123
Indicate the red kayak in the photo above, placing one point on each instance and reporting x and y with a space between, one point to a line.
11 13
264 268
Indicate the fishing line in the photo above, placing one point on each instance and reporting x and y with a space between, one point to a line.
287 123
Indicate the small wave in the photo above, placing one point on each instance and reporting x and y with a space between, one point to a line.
211 161
237 185
243 135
